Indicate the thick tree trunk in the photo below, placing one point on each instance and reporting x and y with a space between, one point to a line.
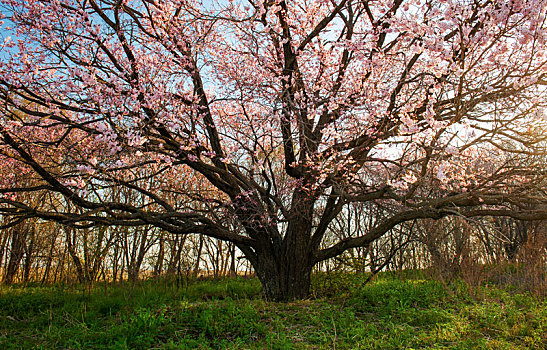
284 269
284 264
282 282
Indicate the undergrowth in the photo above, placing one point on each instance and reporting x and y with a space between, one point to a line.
395 311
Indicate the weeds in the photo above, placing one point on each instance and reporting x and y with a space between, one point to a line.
394 311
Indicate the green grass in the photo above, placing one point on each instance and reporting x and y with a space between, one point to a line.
395 311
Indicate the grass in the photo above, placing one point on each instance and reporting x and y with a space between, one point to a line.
395 311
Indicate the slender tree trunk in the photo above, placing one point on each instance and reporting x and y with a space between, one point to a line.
233 271
218 266
174 256
115 258
29 256
198 258
137 262
16 254
4 236
71 240
98 254
158 266
45 277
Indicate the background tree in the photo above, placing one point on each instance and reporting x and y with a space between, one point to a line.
287 111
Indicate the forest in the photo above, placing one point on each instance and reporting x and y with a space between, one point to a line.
350 165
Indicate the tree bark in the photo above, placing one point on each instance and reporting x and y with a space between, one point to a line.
283 282
284 267
16 254
29 255
71 241
198 258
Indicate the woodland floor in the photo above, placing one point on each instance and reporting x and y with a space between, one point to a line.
394 311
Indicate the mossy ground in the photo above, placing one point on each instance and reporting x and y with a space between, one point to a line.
394 311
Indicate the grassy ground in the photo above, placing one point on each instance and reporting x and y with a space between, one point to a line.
392 312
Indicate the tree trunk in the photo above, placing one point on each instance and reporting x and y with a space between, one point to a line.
71 241
284 264
282 282
198 258
284 268
158 266
45 277
16 254
29 255
137 262
232 256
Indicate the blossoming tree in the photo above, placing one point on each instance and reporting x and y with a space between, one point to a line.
286 111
